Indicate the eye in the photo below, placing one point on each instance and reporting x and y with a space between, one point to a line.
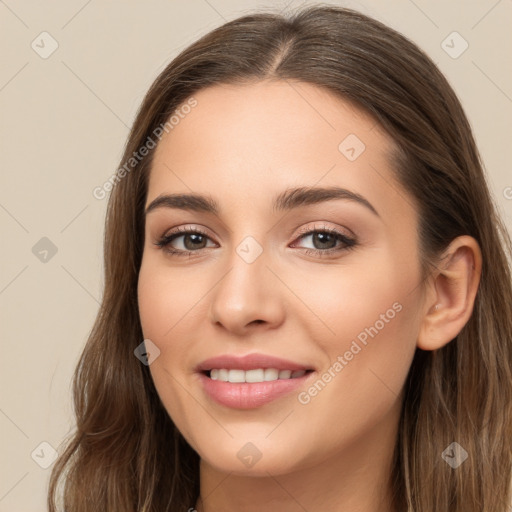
326 240
184 241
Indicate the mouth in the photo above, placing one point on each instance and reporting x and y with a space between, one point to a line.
256 375
252 380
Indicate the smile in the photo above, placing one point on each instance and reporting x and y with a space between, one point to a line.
256 375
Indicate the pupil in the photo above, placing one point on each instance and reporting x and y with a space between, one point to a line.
196 241
324 238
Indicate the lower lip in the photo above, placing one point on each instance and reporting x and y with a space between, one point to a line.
249 395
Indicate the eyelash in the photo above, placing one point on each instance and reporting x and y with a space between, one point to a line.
348 243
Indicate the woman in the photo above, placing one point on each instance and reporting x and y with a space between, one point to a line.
307 294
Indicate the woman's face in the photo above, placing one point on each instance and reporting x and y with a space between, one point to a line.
324 279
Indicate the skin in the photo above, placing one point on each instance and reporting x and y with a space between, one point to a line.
243 145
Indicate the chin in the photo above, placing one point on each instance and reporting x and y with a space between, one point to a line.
253 458
273 465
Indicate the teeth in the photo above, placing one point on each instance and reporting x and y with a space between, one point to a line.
236 376
256 375
271 374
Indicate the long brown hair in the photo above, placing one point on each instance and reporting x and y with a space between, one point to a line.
126 454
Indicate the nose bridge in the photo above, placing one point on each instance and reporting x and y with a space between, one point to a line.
245 294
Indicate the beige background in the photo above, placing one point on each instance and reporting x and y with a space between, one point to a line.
64 120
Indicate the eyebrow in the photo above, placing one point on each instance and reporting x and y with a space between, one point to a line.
289 199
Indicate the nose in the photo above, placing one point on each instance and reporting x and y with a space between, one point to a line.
247 297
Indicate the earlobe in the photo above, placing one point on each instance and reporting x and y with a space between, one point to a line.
453 286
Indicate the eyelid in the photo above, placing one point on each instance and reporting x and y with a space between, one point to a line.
185 229
325 227
188 228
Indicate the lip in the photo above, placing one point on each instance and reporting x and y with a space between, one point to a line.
249 362
250 395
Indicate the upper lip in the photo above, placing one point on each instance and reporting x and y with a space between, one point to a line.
249 362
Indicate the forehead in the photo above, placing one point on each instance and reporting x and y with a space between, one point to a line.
280 114
245 143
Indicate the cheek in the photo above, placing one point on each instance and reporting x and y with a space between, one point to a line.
167 303
166 306
366 325
361 385
346 300
167 298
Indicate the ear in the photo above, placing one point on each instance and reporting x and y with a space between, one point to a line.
451 293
